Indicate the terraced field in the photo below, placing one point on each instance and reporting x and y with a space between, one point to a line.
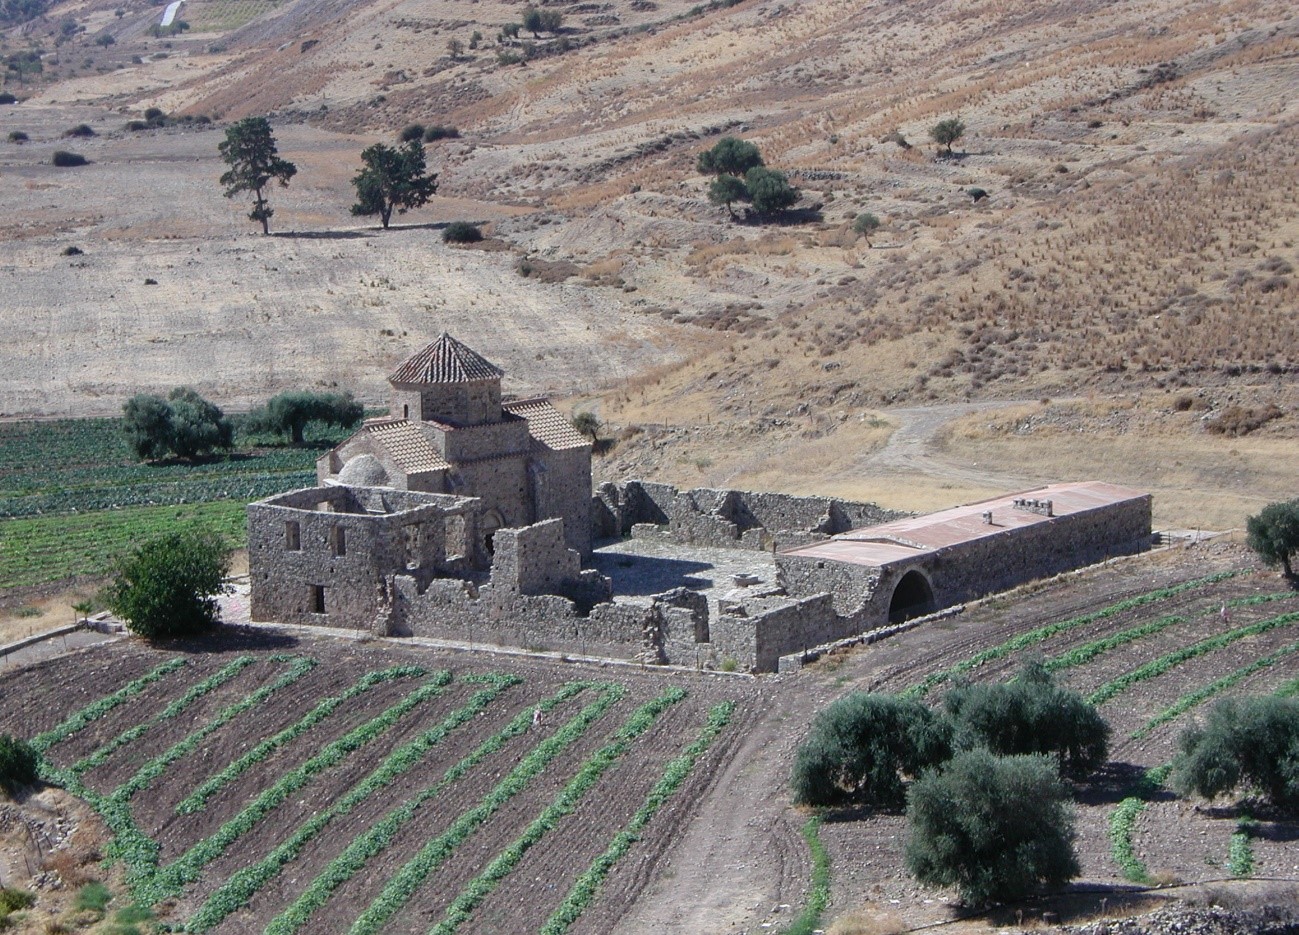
319 788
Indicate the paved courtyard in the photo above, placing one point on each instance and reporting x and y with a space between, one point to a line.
641 567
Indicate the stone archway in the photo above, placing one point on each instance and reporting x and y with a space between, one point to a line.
912 597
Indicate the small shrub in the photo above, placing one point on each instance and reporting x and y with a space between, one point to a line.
978 194
168 587
412 132
435 133
66 160
136 126
18 136
19 764
7 98
461 232
72 251
93 897
1236 421
81 130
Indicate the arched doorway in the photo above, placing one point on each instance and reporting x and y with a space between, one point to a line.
912 597
492 521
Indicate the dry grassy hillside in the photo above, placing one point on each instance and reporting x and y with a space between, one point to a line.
1138 244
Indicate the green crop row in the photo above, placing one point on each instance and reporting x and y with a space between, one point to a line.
241 887
409 878
565 803
243 487
1081 655
1240 853
1157 667
1123 822
155 767
47 548
97 709
588 884
127 737
197 799
809 920
376 838
151 883
1041 634
1200 695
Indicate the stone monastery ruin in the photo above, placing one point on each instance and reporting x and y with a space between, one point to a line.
462 516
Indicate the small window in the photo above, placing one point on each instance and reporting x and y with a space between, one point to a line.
338 541
293 536
405 412
317 599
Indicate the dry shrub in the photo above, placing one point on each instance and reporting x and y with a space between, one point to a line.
75 868
606 272
1236 421
548 270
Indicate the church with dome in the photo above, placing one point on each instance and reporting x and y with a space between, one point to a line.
448 431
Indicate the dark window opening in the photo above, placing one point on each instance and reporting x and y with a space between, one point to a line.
338 541
292 536
405 412
317 599
911 598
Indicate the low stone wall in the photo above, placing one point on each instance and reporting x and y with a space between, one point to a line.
727 518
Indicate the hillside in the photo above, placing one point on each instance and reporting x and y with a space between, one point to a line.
1137 242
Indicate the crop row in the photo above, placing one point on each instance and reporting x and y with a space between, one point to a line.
47 548
414 872
195 692
1157 667
298 666
1041 634
588 884
197 799
151 883
1204 693
79 720
243 487
565 803
240 888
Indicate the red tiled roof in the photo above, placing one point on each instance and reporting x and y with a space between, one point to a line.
547 425
446 360
920 535
407 445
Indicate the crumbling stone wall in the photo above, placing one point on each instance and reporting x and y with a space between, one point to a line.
726 518
322 555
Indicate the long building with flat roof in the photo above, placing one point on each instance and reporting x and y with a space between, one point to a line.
924 563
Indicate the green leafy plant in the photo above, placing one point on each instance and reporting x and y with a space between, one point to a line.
168 587
818 897
19 764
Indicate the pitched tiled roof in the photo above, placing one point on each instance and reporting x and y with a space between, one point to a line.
547 425
446 360
407 445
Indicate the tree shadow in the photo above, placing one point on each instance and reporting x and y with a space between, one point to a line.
325 235
230 638
789 218
1112 783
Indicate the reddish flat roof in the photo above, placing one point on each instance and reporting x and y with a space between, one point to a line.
919 535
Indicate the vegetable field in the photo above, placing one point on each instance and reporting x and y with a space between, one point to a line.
336 789
72 493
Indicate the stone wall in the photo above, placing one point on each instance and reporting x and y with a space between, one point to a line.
726 518
321 556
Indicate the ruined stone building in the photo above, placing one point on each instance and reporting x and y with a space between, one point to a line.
466 517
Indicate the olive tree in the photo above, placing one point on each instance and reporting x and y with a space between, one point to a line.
250 152
394 178
291 412
1274 534
730 156
184 424
1031 714
1249 743
863 747
996 828
769 190
168 586
946 132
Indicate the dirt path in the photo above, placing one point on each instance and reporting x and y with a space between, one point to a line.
911 448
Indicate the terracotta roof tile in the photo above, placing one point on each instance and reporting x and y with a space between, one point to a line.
547 425
446 360
407 445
